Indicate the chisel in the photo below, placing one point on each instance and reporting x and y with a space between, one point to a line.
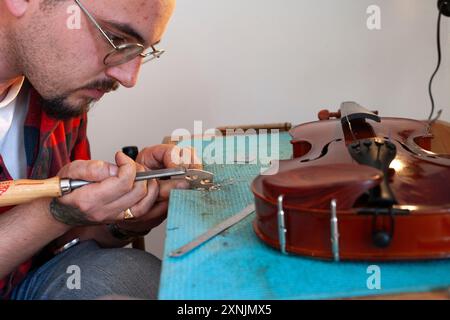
14 192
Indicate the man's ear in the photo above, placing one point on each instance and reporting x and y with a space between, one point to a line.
17 7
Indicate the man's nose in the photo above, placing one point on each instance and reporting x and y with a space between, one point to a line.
126 74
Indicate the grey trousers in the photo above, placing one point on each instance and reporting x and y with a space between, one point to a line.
87 271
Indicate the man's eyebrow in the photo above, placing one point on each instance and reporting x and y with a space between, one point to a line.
128 30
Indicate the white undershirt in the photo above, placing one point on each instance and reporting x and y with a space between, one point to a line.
13 111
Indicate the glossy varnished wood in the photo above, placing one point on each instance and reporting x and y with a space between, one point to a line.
419 177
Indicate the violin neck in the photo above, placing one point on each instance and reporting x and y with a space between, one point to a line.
354 124
352 111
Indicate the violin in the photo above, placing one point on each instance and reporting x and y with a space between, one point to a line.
358 187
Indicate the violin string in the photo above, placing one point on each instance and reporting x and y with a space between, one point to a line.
350 127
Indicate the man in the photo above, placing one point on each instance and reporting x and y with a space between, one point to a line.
49 76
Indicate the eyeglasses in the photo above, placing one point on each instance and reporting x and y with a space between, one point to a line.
122 53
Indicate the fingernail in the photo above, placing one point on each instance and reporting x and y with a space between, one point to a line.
113 170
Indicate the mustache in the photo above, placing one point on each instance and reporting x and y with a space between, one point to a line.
103 85
58 108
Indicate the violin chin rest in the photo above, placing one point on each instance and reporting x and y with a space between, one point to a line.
315 186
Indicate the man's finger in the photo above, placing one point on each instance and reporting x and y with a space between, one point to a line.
169 156
190 158
156 157
110 189
152 219
90 170
146 203
165 186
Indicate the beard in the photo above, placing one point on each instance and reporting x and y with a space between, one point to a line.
60 109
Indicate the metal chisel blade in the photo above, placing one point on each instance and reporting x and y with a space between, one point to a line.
213 232
196 178
162 173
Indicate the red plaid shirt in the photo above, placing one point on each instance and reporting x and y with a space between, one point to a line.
49 145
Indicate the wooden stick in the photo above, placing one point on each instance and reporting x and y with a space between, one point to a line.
285 126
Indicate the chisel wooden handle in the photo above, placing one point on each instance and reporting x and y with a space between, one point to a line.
15 192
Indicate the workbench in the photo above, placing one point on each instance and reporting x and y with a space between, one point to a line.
238 265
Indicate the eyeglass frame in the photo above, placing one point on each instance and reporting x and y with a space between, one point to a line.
154 54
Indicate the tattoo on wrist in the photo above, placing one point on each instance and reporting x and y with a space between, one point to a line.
68 215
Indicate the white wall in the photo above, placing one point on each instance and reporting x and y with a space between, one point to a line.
257 61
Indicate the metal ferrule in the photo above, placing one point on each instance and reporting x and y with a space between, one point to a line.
65 186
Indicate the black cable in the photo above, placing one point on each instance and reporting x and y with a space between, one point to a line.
438 64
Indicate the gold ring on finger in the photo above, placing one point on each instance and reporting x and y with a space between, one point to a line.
128 214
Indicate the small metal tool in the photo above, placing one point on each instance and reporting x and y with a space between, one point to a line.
214 231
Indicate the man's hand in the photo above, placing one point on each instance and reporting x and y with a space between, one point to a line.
169 156
115 191
159 157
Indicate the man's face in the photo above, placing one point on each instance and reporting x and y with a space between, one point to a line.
66 65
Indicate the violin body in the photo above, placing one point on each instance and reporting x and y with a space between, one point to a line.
359 187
